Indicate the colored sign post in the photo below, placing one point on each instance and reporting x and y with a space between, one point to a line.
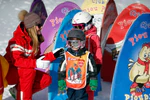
53 22
132 76
38 7
109 17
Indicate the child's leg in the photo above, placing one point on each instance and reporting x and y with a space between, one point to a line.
71 93
81 94
90 93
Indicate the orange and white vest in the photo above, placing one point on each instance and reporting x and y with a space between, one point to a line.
76 70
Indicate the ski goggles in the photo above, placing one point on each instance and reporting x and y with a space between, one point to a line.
75 43
79 26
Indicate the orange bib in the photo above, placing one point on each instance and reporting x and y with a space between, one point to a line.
76 70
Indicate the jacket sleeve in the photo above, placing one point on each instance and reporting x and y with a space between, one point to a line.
96 49
49 56
92 69
20 57
62 69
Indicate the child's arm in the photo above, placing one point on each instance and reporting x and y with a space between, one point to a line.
62 69
54 54
92 66
62 76
93 73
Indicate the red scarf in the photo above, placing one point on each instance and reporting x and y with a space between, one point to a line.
146 64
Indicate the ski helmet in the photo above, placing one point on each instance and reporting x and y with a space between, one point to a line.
76 33
81 17
82 20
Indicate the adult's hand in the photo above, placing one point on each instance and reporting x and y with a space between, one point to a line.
42 64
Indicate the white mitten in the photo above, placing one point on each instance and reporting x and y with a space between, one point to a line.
42 64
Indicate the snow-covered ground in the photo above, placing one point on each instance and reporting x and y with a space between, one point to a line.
42 95
8 22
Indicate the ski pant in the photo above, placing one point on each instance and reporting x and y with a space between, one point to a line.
77 94
28 81
90 93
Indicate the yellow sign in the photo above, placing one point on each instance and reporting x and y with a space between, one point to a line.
94 6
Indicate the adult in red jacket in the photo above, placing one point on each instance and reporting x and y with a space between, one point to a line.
23 56
83 20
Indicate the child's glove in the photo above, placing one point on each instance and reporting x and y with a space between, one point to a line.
93 84
58 52
61 85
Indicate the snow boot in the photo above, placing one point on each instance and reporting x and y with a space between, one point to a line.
13 92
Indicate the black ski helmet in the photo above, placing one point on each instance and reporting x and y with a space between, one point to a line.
76 33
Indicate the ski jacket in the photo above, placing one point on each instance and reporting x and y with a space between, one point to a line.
90 64
19 50
93 44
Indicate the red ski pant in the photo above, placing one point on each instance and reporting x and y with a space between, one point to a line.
90 93
28 81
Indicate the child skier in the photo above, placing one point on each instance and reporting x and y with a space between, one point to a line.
78 68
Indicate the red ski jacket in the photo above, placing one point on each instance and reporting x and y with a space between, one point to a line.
93 44
19 50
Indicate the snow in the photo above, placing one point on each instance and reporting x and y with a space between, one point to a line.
8 22
42 95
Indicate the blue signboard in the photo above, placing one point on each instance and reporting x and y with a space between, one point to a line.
131 79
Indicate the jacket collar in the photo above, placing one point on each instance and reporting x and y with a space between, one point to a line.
92 30
78 52
21 31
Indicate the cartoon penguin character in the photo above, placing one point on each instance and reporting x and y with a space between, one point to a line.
139 73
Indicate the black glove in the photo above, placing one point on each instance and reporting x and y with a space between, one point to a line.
98 68
58 52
